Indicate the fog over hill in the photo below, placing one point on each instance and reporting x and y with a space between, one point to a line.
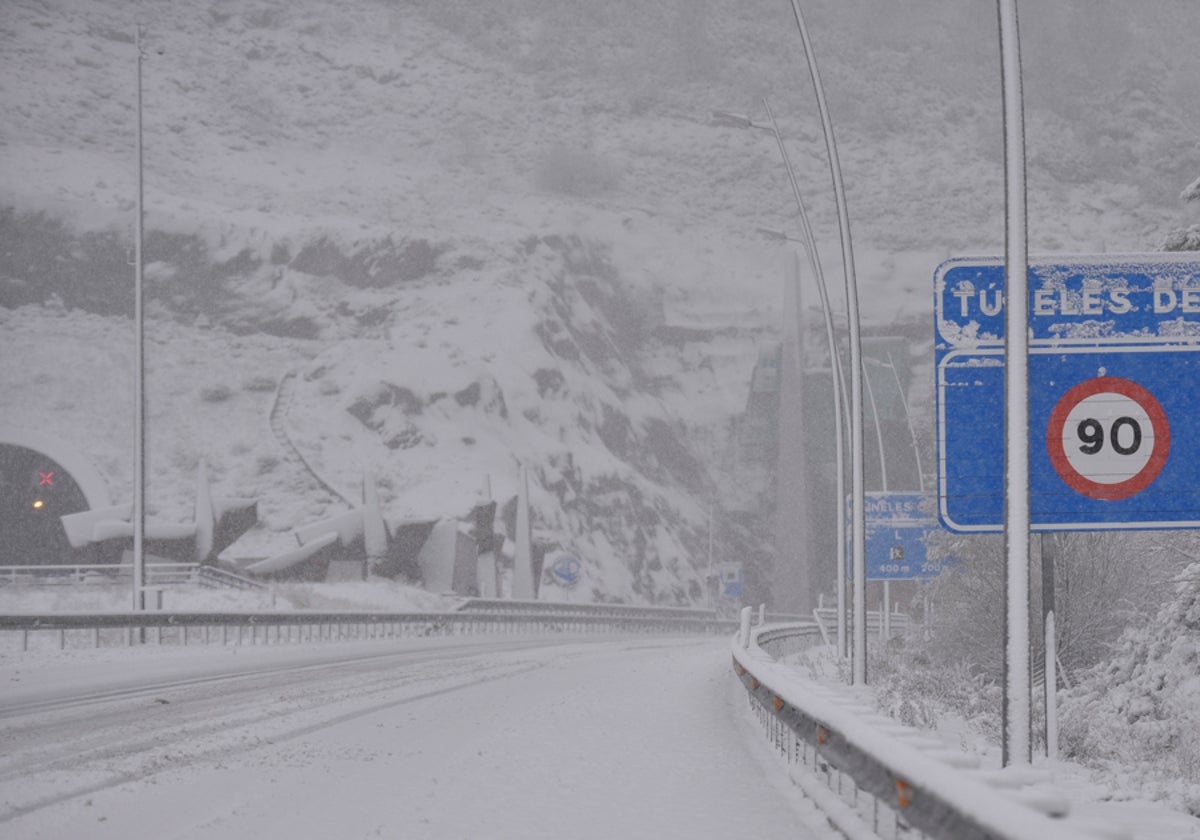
475 236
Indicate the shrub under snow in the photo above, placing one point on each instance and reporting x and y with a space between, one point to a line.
1143 707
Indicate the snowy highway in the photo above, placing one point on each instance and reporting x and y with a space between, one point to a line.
499 738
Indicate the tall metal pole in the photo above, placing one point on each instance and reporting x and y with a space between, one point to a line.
1049 552
859 538
878 436
908 417
708 580
916 455
839 384
885 616
1017 714
139 379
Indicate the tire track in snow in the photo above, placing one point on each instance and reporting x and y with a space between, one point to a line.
158 745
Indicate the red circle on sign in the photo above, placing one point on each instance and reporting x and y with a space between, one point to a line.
1078 481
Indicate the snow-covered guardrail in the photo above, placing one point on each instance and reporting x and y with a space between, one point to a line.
280 627
872 776
157 574
497 605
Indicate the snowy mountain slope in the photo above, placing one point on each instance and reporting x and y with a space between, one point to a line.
484 236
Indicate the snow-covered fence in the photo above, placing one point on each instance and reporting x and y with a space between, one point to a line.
279 627
870 776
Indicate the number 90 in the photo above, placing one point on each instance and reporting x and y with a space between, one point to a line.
1091 434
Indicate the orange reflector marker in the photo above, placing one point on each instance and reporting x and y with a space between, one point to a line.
903 793
741 671
778 703
38 504
754 683
822 734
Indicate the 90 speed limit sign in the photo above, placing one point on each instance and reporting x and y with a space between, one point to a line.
1108 438
1113 392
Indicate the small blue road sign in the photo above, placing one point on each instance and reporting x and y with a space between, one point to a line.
565 570
1114 407
731 581
897 525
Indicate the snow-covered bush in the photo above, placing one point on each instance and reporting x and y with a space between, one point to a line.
920 691
259 383
1144 705
1104 582
216 393
1185 238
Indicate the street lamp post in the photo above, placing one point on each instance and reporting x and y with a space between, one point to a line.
859 541
885 620
139 378
839 403
912 431
890 364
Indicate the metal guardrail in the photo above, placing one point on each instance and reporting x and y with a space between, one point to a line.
157 574
826 617
215 577
280 627
610 610
880 777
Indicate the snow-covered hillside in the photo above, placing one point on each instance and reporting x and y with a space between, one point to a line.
486 236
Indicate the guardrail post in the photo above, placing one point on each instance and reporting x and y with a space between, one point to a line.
744 632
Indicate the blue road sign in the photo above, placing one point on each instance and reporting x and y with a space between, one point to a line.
731 581
1114 410
897 525
565 570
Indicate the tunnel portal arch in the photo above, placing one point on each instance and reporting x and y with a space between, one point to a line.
41 480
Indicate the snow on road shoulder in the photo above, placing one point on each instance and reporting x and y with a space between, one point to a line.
1094 799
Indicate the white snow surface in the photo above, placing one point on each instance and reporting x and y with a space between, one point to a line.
518 137
506 738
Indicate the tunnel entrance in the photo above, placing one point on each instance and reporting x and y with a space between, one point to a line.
35 491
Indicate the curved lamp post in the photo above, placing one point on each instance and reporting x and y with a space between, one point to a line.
839 402
859 540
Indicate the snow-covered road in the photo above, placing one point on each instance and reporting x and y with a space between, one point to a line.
450 738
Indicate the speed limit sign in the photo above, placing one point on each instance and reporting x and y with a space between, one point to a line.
1113 404
1108 438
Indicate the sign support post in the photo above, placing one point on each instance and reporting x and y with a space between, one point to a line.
1050 545
1017 718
